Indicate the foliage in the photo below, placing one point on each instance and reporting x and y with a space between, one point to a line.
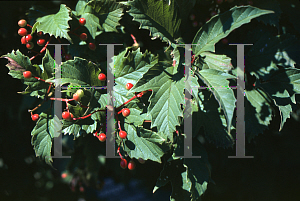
158 77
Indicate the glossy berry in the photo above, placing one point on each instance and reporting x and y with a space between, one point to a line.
39 34
66 115
128 86
102 77
28 38
123 134
22 32
41 42
29 45
102 137
35 117
92 46
83 36
22 23
123 163
78 95
82 21
23 40
131 165
64 175
125 112
27 74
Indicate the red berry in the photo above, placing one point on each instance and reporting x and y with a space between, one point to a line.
123 163
66 115
40 34
22 32
29 45
22 23
102 77
76 97
68 57
83 36
35 117
131 165
41 42
125 112
92 46
82 21
64 175
28 38
23 40
219 1
123 134
27 74
102 137
128 86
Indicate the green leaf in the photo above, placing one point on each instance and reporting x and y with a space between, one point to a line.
159 17
106 18
220 26
272 19
198 172
258 112
211 117
81 7
130 69
166 99
55 24
189 177
18 63
185 8
282 86
143 143
47 127
268 52
79 72
218 62
172 172
218 84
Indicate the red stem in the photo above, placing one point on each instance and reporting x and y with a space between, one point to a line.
39 79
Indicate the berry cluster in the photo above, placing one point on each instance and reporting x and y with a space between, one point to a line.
27 38
67 115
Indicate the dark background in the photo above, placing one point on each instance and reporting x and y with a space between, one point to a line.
273 174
